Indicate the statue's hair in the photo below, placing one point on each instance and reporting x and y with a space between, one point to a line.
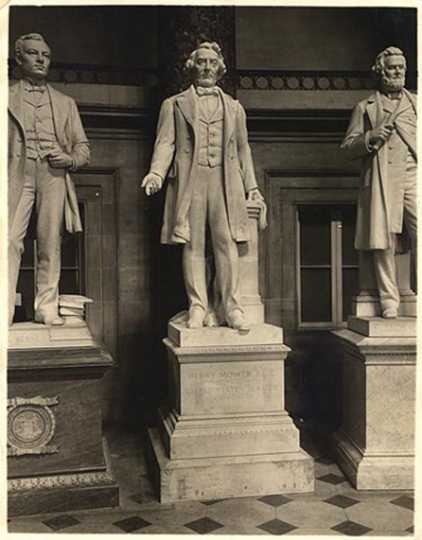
25 37
379 64
213 46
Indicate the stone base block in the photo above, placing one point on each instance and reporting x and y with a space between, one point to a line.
181 336
367 305
378 472
196 437
224 477
36 336
56 454
375 445
379 327
62 492
225 431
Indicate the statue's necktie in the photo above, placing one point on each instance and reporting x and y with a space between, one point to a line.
205 91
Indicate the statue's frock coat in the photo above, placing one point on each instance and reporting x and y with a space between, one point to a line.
376 204
176 157
69 133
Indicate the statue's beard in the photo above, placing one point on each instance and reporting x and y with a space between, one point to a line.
392 84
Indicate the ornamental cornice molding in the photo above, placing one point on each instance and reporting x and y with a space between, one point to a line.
84 479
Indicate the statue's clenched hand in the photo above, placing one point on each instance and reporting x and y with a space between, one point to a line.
152 183
380 134
255 195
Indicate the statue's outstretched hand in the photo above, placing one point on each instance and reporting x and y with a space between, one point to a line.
255 195
152 183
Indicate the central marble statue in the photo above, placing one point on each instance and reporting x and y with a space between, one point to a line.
202 149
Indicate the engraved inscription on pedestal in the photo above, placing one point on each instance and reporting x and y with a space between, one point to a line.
214 388
31 426
225 431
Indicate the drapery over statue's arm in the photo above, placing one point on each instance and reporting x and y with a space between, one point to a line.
355 142
163 149
245 157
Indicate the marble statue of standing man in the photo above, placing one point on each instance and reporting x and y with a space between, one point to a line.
382 133
202 149
46 141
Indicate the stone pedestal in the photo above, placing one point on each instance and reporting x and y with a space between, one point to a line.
225 432
249 269
57 457
375 443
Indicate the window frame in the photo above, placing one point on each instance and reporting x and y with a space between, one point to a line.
285 189
336 272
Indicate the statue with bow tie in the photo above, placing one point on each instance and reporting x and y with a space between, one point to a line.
382 134
46 142
202 149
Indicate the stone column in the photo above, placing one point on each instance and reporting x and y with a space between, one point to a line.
249 269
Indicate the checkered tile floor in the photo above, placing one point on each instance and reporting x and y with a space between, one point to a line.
334 508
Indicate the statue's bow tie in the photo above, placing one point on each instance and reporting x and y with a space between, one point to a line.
205 91
35 89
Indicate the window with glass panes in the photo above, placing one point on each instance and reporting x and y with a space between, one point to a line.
327 264
72 278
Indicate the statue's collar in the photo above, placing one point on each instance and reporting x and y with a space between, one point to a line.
31 82
393 96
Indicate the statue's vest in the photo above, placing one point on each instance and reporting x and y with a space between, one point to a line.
211 136
39 125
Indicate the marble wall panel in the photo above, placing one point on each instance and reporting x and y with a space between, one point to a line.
397 384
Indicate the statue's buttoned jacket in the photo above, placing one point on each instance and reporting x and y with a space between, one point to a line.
70 137
211 137
178 153
383 172
38 123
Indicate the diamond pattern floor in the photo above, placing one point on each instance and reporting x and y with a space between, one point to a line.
335 508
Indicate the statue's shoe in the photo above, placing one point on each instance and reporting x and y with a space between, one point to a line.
390 313
196 318
211 319
236 320
49 321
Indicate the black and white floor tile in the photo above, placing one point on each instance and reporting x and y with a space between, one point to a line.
334 508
